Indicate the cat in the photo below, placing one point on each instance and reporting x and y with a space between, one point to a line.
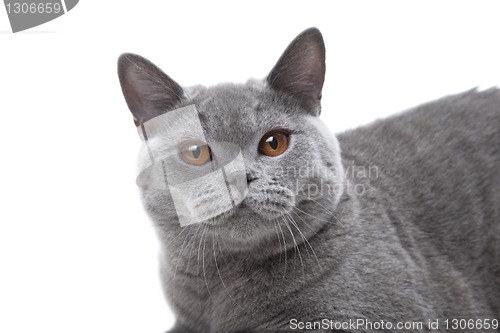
394 226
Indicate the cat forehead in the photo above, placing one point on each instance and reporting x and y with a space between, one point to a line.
227 97
237 112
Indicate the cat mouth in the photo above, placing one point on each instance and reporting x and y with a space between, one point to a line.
240 210
242 207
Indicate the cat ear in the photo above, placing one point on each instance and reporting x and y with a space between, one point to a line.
148 91
300 71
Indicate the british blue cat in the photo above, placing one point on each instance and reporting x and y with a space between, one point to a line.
268 222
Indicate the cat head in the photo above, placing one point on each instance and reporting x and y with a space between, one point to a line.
243 160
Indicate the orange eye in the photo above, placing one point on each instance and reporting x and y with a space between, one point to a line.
196 152
273 143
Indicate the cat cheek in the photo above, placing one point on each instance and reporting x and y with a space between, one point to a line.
271 201
306 188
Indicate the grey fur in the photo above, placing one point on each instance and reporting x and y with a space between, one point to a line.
406 228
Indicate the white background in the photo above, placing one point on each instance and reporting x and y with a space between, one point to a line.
77 252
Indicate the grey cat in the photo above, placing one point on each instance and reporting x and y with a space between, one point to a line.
390 227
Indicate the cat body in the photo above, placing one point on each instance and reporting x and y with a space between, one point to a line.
394 222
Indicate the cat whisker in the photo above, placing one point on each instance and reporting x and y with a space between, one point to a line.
284 242
180 255
203 263
191 243
292 221
307 225
220 248
306 242
222 252
328 211
278 235
305 239
218 271
198 264
314 217
225 245
296 247
173 239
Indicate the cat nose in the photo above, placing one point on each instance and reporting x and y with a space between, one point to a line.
251 171
239 184
250 176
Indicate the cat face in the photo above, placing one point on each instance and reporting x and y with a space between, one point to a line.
243 160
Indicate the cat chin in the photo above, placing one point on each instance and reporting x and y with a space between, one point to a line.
242 231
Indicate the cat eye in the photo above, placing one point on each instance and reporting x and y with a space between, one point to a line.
196 152
273 143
